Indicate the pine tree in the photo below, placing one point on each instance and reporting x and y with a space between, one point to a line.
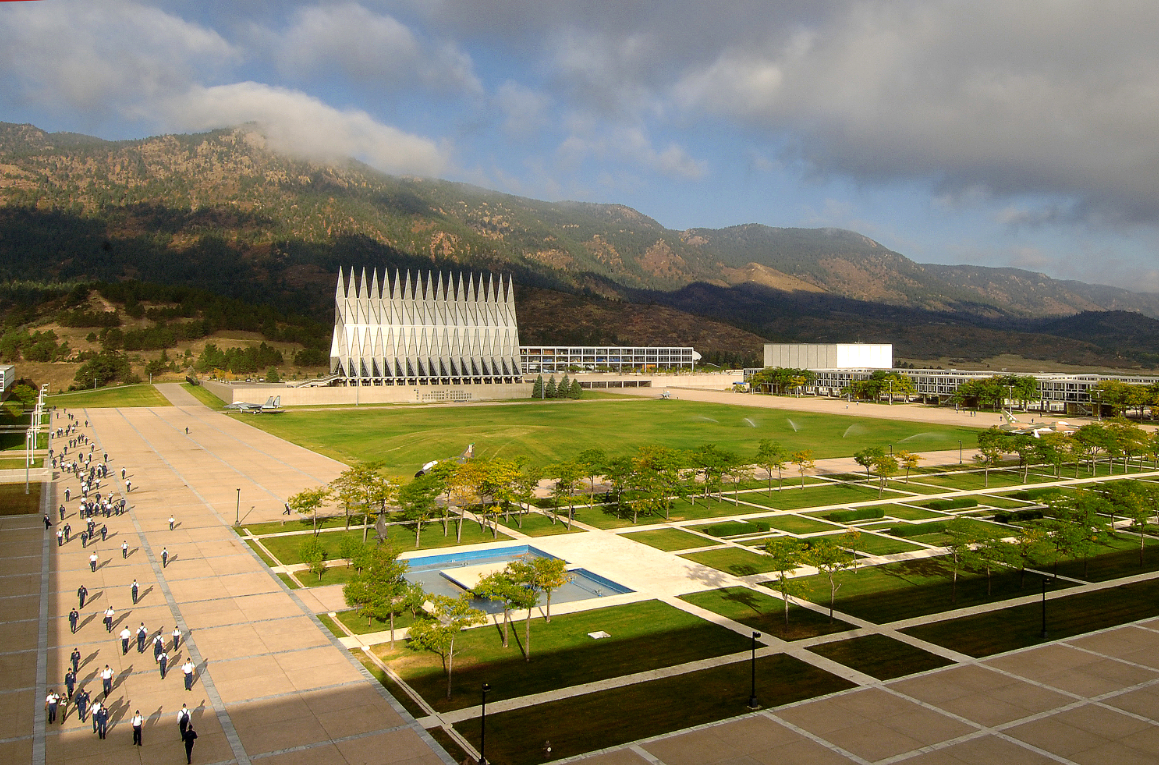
564 389
577 390
550 391
537 389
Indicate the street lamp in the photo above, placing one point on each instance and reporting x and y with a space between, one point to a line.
1099 393
483 727
237 511
891 392
959 451
753 703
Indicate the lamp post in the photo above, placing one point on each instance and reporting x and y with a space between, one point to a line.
483 727
959 451
237 510
1099 393
753 703
1044 586
891 392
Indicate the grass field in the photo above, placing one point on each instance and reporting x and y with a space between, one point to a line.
612 717
120 396
880 656
1021 626
285 549
204 396
877 545
668 540
733 561
562 654
818 496
539 525
765 613
547 433
13 500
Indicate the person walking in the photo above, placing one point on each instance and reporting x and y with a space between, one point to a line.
122 474
128 486
137 721
74 657
60 537
107 680
47 522
134 589
93 562
70 682
84 539
158 644
109 613
102 718
176 639
82 592
188 737
187 669
164 557
82 703
163 663
73 618
50 703
97 706
66 493
125 550
142 633
126 636
183 720
67 532
104 527
171 522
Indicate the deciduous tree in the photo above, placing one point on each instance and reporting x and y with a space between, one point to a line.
450 616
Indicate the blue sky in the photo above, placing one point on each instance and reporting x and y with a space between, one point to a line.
991 133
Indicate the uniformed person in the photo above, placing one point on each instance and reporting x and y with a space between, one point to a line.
50 703
126 636
82 592
187 669
107 681
142 633
109 619
183 720
163 663
70 682
74 657
73 618
137 721
134 588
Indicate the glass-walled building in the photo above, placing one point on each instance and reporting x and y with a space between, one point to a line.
553 359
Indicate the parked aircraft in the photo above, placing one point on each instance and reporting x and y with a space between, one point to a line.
273 405
467 454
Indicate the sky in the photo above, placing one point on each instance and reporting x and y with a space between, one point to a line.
989 133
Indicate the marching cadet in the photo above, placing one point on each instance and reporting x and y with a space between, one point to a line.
125 637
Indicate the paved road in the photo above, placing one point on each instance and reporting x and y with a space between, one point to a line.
273 686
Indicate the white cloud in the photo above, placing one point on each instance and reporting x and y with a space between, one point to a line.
369 48
633 145
297 123
524 109
72 56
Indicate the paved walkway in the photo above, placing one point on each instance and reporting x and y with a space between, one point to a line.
272 685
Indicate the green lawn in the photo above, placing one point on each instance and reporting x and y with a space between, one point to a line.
644 636
668 539
733 560
119 396
289 582
880 656
733 528
878 545
13 500
818 496
548 433
608 718
1021 626
540 525
883 594
765 613
796 524
910 513
399 694
285 549
1118 557
358 624
301 524
204 396
329 624
975 481
1001 503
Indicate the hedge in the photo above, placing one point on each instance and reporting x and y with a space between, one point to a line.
845 516
952 504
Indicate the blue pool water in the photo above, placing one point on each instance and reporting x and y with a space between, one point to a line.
427 571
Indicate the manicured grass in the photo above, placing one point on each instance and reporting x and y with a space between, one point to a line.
13 500
668 539
880 656
301 524
289 582
120 396
797 524
329 624
914 487
1021 626
974 481
562 654
204 396
1001 503
335 573
1118 557
285 549
550 432
820 496
878 545
765 613
895 591
909 513
261 553
540 525
357 624
733 560
608 718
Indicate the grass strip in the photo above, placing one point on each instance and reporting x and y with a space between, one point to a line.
765 613
204 396
101 398
733 560
400 695
261 553
537 525
880 656
1021 626
285 549
359 626
668 540
13 500
289 582
330 625
562 654
617 716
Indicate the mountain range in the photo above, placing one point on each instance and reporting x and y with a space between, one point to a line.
221 211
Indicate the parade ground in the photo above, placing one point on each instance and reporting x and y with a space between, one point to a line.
274 684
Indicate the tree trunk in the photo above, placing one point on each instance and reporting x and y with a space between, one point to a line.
418 532
506 619
548 618
459 530
450 662
527 637
391 629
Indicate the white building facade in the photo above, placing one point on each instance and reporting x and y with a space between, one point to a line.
436 330
829 355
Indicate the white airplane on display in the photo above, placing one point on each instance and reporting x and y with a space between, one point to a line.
273 405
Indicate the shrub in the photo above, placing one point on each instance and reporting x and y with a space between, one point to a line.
952 504
845 516
1017 516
